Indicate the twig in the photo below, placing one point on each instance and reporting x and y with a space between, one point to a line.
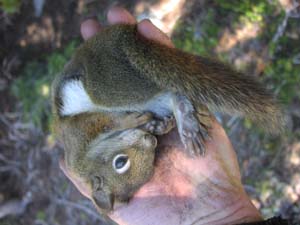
40 222
4 120
7 161
31 176
15 207
281 28
296 59
10 169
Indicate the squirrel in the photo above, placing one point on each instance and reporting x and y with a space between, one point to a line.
108 153
113 153
120 86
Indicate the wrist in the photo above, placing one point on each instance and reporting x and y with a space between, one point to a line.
218 205
211 208
240 211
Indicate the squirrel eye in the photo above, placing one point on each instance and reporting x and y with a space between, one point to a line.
121 163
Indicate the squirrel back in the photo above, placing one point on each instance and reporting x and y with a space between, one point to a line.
203 80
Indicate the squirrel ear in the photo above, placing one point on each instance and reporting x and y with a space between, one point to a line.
102 198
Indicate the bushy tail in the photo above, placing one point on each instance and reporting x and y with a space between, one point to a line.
204 81
227 90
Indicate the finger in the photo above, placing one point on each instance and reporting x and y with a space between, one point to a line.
89 28
63 167
221 145
84 190
119 15
147 29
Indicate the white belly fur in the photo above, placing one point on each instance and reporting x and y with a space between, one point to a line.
75 100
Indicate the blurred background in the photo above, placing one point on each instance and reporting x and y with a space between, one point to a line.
37 37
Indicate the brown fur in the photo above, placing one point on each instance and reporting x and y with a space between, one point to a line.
121 71
93 163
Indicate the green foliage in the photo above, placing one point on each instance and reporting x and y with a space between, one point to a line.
185 38
281 72
247 10
41 215
271 145
231 12
10 6
33 86
285 76
32 90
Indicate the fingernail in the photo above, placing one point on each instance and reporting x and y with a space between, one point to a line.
89 28
118 15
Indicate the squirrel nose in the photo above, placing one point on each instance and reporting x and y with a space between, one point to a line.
150 141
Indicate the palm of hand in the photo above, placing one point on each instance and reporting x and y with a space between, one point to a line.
188 190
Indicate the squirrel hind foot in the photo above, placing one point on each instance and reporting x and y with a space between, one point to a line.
192 127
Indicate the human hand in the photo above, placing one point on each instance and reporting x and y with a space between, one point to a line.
183 190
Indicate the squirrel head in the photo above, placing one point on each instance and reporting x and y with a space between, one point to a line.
114 165
119 165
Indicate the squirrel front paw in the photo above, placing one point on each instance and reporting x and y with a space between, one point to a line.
160 126
135 119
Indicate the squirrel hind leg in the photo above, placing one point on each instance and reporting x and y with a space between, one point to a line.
193 125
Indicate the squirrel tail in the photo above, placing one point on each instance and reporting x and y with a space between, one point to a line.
205 81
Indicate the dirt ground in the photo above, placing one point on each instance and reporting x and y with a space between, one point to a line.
33 190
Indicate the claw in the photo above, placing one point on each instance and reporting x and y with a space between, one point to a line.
190 145
201 146
159 127
193 135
